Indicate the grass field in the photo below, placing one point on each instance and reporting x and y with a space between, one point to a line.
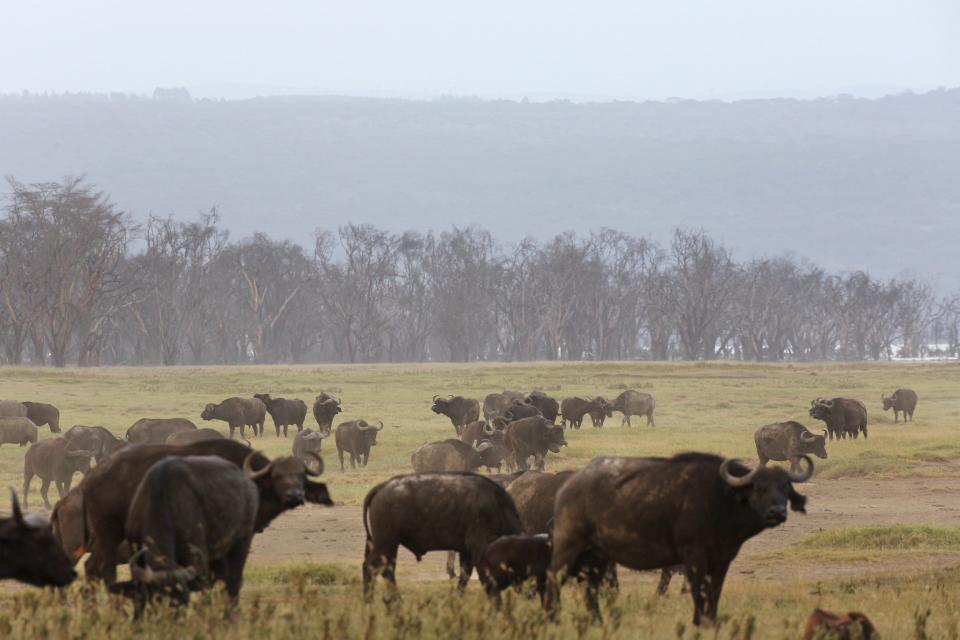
711 407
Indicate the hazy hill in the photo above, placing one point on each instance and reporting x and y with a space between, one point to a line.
849 183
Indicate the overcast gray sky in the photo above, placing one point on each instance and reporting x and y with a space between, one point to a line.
545 48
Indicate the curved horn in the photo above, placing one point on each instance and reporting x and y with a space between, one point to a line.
828 403
802 477
435 398
17 514
735 481
487 429
319 469
362 425
806 436
248 467
168 576
482 445
380 428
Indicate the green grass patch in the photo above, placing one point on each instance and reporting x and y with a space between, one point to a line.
892 538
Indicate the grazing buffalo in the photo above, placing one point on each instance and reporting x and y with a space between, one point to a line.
693 509
635 403
517 410
496 403
904 400
509 561
191 522
453 455
599 415
30 554
459 512
108 490
41 413
306 446
574 409
356 437
12 409
97 439
157 430
54 460
532 437
788 441
842 416
284 412
18 430
325 409
238 413
533 494
461 411
852 625
180 438
547 406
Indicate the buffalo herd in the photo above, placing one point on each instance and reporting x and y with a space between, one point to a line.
180 504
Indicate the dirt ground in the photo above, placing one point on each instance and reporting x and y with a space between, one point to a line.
336 534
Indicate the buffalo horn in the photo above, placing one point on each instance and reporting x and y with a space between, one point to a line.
487 429
806 436
802 477
828 403
380 428
319 466
481 445
435 398
248 467
736 481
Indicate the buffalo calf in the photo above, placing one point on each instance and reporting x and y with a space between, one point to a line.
849 626
512 560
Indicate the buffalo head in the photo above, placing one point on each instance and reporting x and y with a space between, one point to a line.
767 490
817 445
31 553
888 403
288 479
369 431
207 413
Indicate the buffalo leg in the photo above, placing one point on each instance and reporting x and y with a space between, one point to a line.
44 487
382 561
27 477
714 587
451 569
466 570
664 585
340 453
236 560
277 427
650 422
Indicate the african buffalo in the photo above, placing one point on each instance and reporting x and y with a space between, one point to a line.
190 522
599 415
787 441
284 412
532 437
97 439
325 409
41 413
461 411
17 431
574 409
533 494
156 430
356 437
453 455
306 446
496 403
109 487
904 400
30 554
651 513
512 560
181 438
459 512
517 410
238 413
12 409
547 406
635 403
842 416
852 625
54 460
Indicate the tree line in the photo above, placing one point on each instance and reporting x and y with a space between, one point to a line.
82 283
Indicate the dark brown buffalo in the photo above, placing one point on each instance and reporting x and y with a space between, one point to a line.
41 413
325 409
600 414
479 430
461 411
190 522
517 410
509 561
97 439
156 430
842 416
635 403
787 441
181 438
496 403
693 509
459 512
307 444
238 413
54 460
284 412
356 437
532 437
574 409
453 455
852 625
533 493
19 431
30 554
109 487
904 400
547 406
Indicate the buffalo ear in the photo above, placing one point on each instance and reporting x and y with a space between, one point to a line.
316 492
797 502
